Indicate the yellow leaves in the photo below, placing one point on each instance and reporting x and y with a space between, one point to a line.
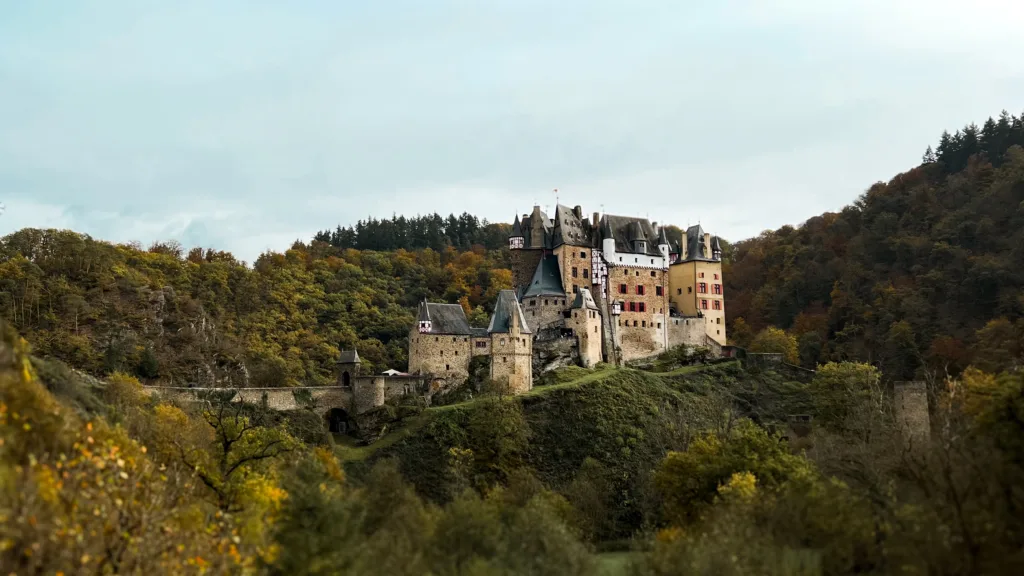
330 463
978 389
741 487
47 484
670 534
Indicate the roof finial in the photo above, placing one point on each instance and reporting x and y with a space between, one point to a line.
556 198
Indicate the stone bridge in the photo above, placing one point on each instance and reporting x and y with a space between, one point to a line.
337 404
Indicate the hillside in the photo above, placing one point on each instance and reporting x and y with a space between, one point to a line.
908 276
161 314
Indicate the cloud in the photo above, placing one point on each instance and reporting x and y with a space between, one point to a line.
238 127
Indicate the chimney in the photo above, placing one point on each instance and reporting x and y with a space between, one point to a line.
578 212
596 219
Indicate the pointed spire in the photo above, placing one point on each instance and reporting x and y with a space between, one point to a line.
517 228
662 237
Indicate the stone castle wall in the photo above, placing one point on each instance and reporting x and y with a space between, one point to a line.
910 405
578 258
543 312
587 326
688 331
441 355
511 361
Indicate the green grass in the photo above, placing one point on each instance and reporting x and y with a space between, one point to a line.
614 563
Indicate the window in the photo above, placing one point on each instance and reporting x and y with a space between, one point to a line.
704 304
622 289
436 338
640 290
689 289
503 340
504 358
481 344
634 323
545 302
717 305
595 328
586 273
533 302
632 306
620 258
716 276
465 339
679 291
702 288
701 275
447 367
661 310
641 306
718 320
643 323
652 263
583 254
575 289
575 272
659 291
654 274
716 288
659 324
442 353
637 272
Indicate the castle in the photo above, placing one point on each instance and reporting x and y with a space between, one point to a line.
617 285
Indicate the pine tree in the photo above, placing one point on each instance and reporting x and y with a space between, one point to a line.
929 156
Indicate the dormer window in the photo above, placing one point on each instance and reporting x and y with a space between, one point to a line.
424 326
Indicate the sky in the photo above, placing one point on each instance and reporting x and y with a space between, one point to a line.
244 125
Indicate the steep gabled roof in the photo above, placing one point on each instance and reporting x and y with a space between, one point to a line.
348 357
517 229
625 229
662 237
447 319
584 301
570 228
507 306
547 279
695 246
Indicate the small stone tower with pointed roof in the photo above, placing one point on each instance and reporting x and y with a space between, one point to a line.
511 345
585 321
348 367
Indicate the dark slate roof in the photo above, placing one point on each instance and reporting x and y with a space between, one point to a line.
447 319
478 332
695 245
517 229
662 237
570 228
504 308
622 229
348 357
715 245
422 315
584 300
547 279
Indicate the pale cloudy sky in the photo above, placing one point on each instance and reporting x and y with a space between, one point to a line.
245 124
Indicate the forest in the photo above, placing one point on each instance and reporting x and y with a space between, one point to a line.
687 466
920 276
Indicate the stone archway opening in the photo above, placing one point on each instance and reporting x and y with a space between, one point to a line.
338 421
346 378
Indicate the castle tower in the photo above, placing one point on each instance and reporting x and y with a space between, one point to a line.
511 345
585 320
663 245
695 282
910 406
516 240
348 367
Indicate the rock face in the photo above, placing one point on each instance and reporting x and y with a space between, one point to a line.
551 350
